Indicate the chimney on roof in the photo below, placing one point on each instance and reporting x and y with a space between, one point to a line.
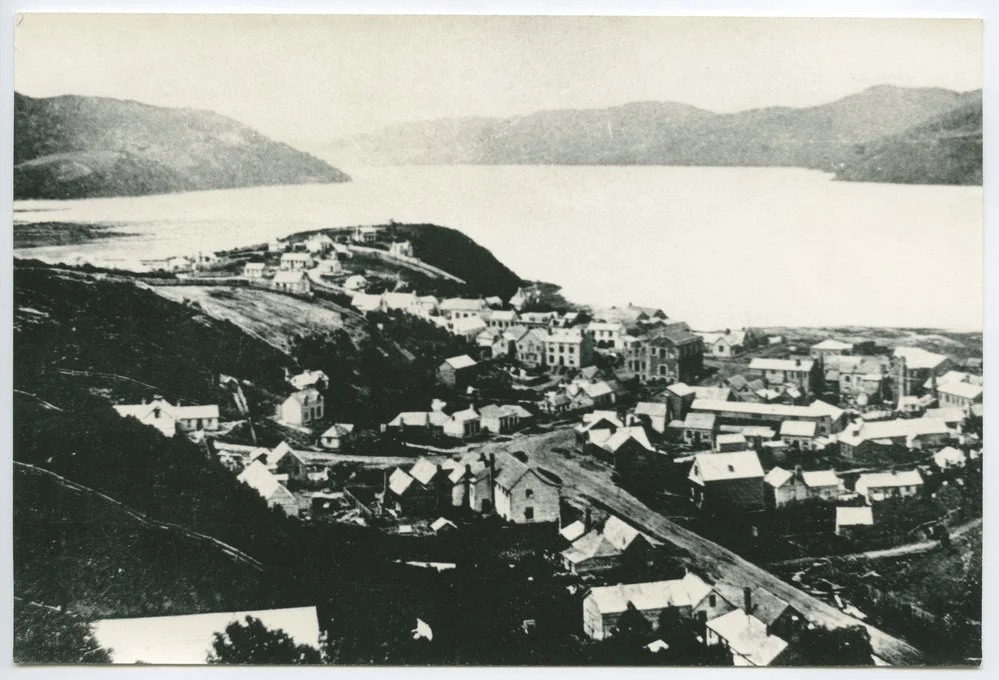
587 519
747 599
797 471
797 362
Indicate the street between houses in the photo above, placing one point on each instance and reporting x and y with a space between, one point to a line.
709 556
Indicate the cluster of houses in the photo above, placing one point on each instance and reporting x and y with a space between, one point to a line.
502 485
461 424
753 625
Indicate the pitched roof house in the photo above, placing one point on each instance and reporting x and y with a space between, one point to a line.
525 494
170 419
727 481
264 482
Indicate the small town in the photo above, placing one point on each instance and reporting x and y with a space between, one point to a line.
680 496
498 339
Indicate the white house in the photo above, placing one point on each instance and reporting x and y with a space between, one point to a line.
879 486
302 408
264 482
850 518
296 261
319 244
338 436
307 379
254 270
463 424
170 419
401 249
525 494
292 281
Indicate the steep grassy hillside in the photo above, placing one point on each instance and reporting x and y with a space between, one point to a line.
946 150
82 147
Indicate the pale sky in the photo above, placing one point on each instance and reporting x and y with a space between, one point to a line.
307 80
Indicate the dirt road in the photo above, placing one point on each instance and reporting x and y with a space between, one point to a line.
897 551
710 557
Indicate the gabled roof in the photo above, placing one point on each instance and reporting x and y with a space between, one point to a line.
307 379
714 467
835 345
954 377
850 517
762 364
730 438
254 265
681 389
653 409
918 358
684 592
515 333
767 607
306 396
296 257
588 547
459 362
894 429
512 470
798 428
721 393
400 481
411 419
699 421
819 478
468 324
338 430
961 389
500 411
260 479
596 389
462 304
748 639
502 315
399 300
778 477
289 276
623 434
619 533
423 471
573 531
882 480
737 382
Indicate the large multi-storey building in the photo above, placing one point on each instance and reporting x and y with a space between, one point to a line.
668 352
571 347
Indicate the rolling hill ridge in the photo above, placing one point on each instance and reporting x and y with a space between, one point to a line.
821 137
85 147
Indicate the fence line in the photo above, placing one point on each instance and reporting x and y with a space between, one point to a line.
232 552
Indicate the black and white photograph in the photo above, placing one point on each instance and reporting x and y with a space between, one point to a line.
497 340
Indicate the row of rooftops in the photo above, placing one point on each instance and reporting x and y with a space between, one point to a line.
745 627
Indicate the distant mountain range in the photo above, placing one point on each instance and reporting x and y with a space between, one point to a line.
82 147
884 134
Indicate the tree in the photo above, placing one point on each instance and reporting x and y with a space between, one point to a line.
43 635
252 643
633 629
